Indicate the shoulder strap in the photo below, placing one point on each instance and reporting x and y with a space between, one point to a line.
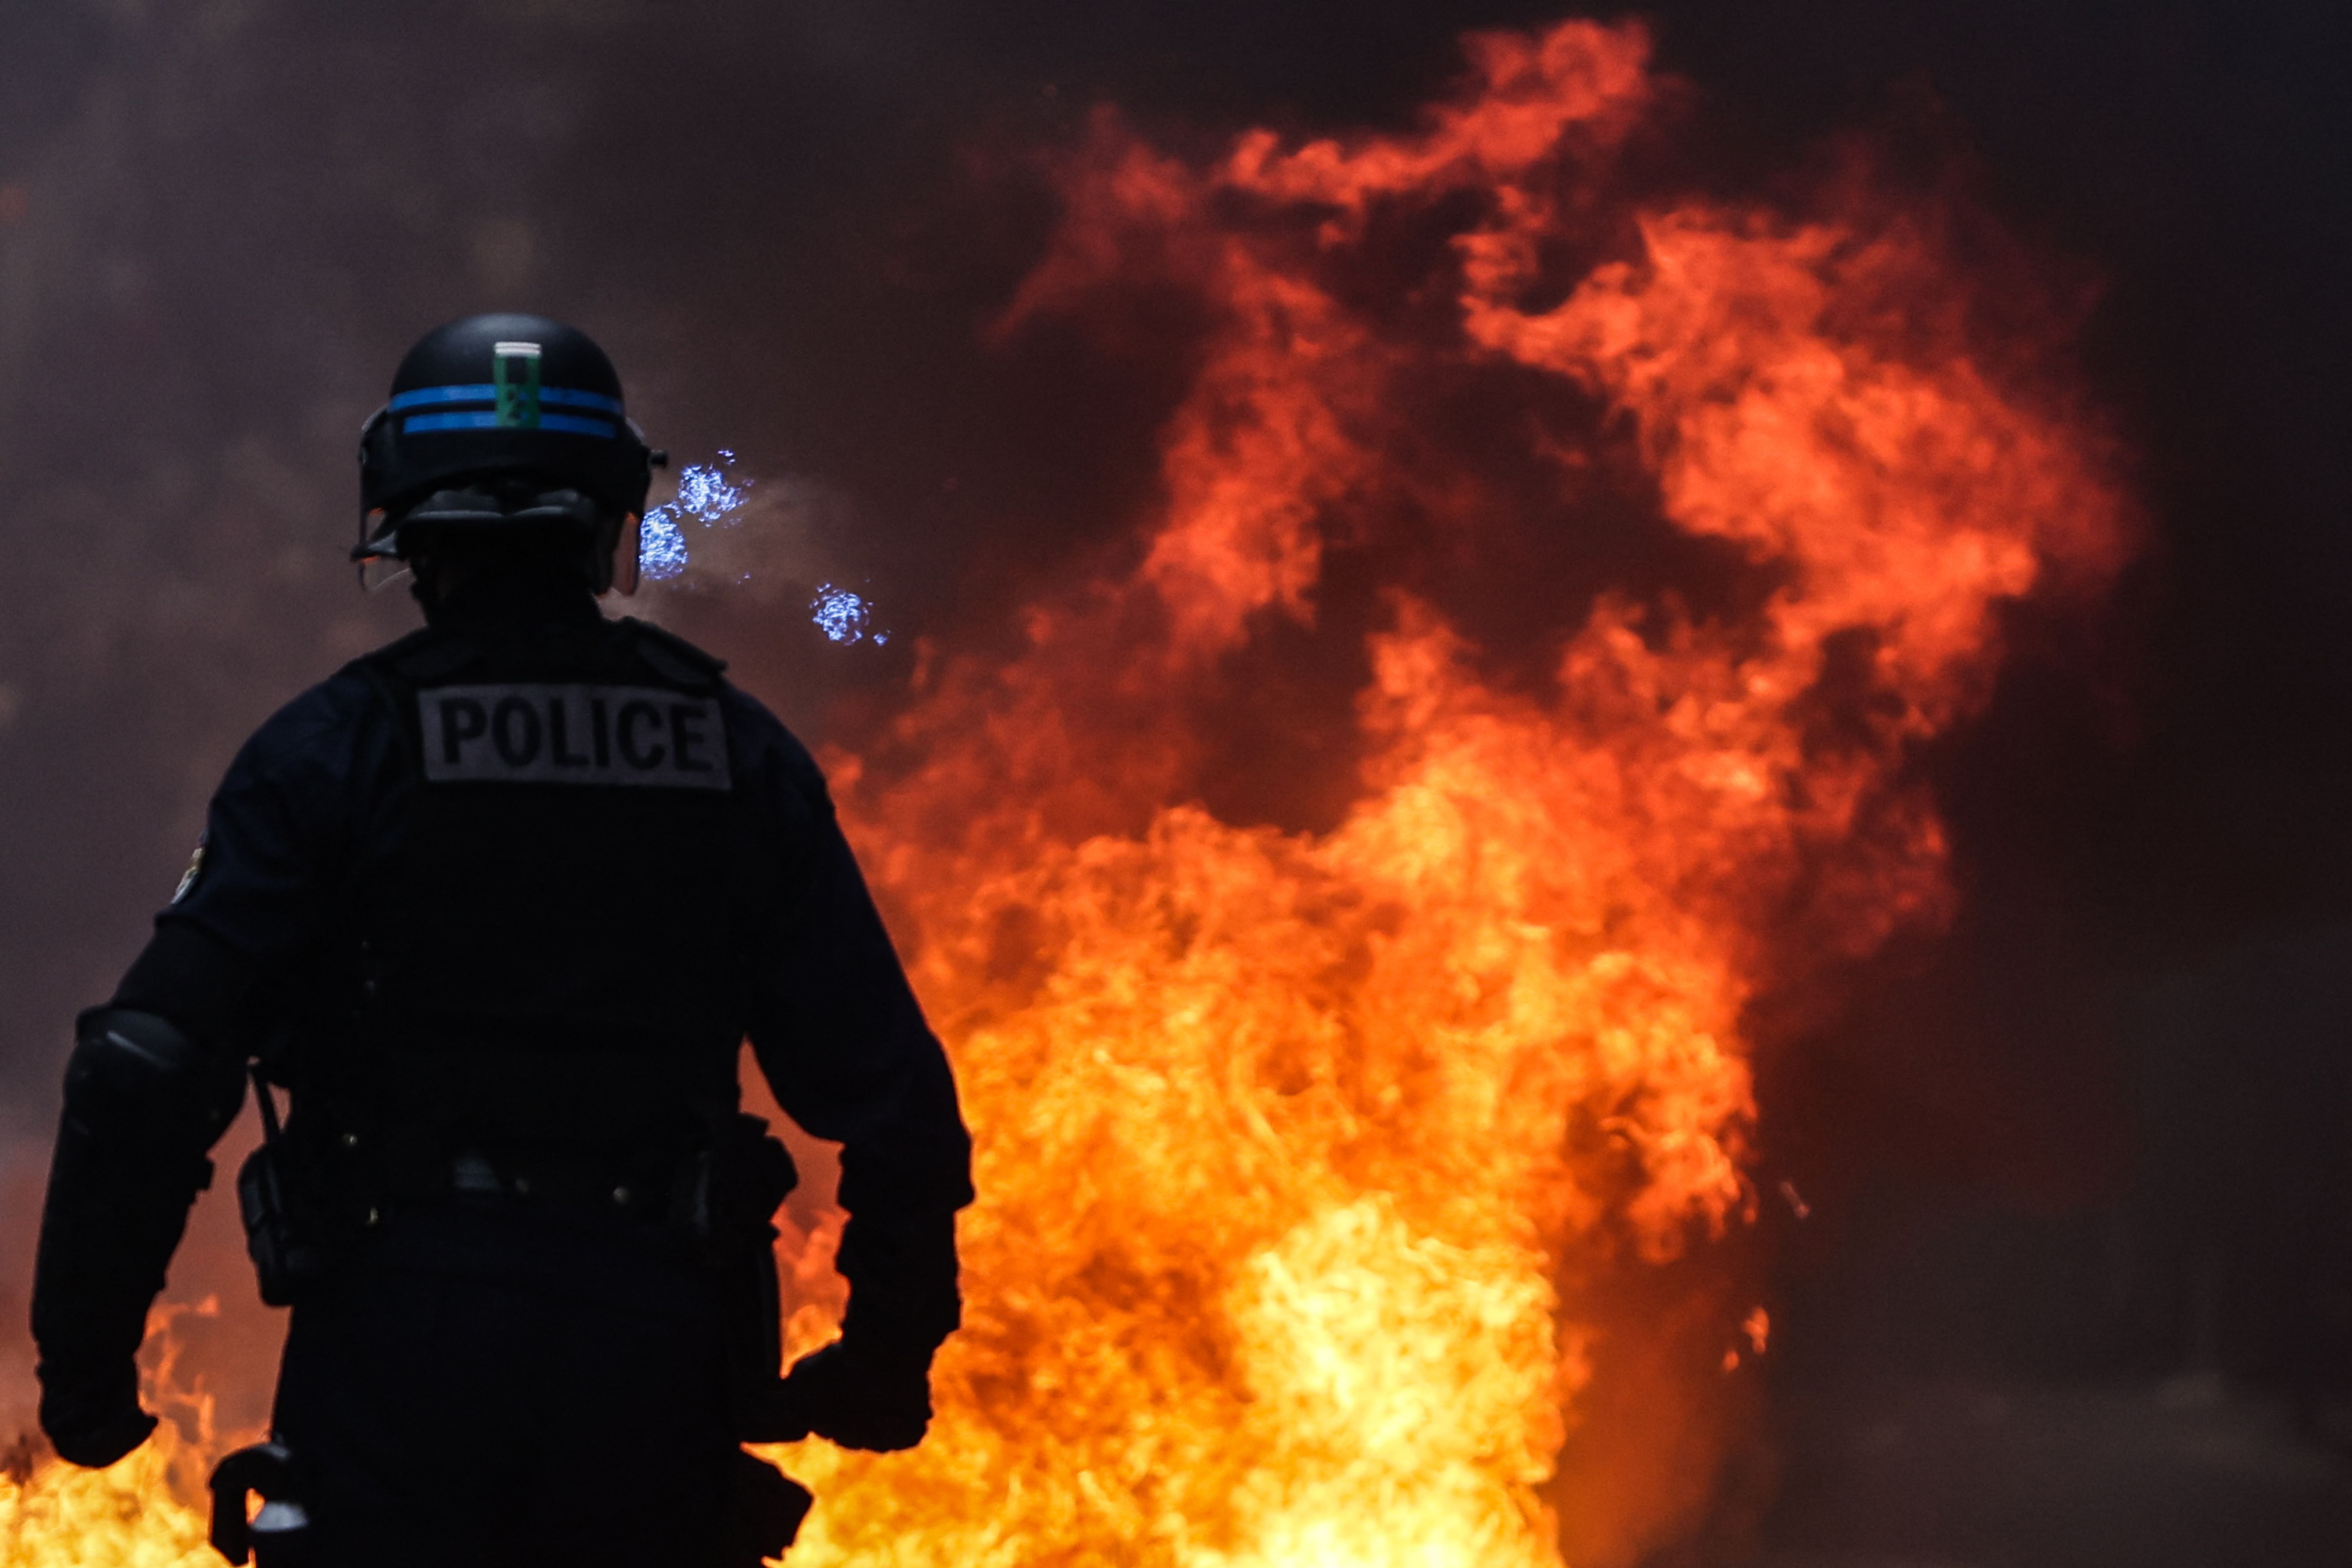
426 654
267 1099
423 657
674 658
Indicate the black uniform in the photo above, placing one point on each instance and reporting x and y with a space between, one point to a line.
498 904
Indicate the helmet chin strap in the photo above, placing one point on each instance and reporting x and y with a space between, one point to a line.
378 573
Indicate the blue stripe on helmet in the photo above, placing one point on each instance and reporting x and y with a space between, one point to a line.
418 424
564 394
483 391
425 397
579 426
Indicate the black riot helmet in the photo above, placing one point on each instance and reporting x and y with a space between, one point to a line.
502 421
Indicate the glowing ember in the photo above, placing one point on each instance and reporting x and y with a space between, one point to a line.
1317 1166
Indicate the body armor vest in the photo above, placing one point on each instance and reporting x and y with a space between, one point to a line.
543 948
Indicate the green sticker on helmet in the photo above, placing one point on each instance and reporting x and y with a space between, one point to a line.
514 370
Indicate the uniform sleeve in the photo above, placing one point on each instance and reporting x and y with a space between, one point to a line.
841 1040
146 1097
276 833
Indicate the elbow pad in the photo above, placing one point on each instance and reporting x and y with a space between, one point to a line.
135 1075
144 1103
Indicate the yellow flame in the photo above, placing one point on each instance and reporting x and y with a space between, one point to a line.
128 1515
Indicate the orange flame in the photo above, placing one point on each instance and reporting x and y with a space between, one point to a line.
1304 1154
127 1514
1310 1157
136 1512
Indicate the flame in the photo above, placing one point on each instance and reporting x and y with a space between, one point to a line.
137 1512
1319 1164
129 1514
1310 1158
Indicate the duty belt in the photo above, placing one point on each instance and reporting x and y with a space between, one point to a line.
655 1180
595 1180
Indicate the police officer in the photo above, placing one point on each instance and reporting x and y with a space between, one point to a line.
495 907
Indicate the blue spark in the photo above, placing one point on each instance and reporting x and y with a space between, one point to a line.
841 614
661 548
707 493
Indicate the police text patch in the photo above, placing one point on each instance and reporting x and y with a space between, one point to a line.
572 734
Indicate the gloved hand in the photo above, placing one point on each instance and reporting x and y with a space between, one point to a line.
862 1396
93 1420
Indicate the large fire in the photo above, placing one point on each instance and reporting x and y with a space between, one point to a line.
1316 1161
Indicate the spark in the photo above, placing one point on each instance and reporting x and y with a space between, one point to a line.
661 547
708 493
845 617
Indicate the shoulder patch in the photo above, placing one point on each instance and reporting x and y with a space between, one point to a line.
639 736
195 869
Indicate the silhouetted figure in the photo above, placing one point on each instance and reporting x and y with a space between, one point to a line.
497 906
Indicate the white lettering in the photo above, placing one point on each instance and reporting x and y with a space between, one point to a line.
547 733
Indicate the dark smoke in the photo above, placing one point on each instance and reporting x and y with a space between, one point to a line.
2101 1133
